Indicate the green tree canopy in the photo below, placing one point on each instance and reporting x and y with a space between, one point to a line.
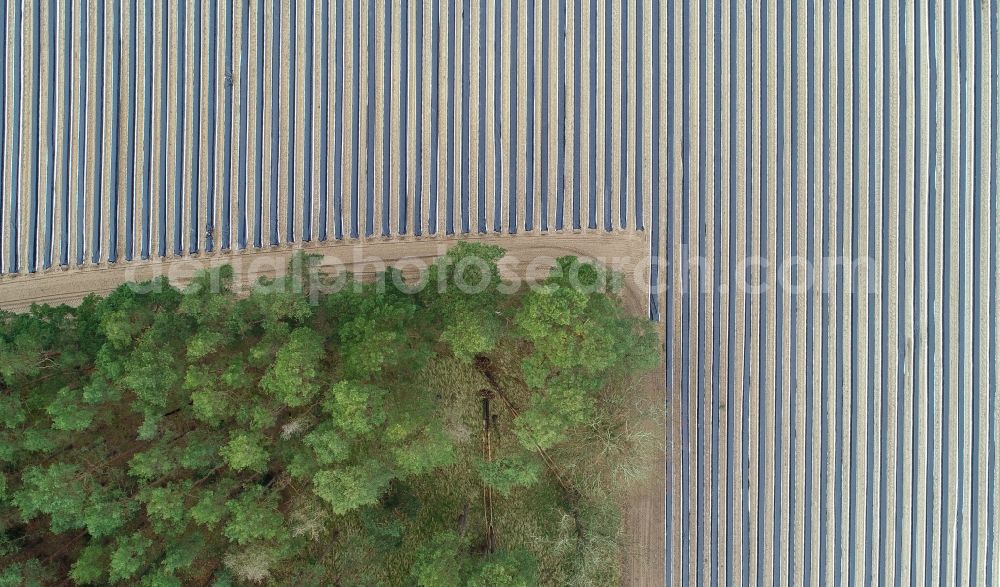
160 436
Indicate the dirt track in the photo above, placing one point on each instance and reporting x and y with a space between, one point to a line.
625 251
645 516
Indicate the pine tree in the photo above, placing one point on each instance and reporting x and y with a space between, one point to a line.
200 437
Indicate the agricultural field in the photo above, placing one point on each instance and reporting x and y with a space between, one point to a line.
803 198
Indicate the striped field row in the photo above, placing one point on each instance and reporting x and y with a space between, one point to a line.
817 182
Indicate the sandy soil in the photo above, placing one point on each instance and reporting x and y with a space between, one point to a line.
527 256
645 513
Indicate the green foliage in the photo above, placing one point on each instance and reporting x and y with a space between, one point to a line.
209 404
182 552
252 516
100 391
294 376
107 510
29 573
68 413
429 450
210 507
203 344
506 473
245 451
129 556
580 339
91 565
12 412
165 505
201 451
151 464
328 445
440 562
351 487
160 579
355 408
54 490
516 568
463 290
40 440
294 436
549 417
